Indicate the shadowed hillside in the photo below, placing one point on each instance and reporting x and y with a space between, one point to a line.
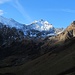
59 62
50 56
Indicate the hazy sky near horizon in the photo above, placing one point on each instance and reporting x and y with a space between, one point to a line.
60 13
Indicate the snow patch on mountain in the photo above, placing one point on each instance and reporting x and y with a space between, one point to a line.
10 22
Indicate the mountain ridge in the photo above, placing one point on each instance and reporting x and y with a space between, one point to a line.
43 27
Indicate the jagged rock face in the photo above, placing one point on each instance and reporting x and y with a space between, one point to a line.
68 33
71 29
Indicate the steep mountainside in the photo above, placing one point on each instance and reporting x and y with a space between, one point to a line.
60 61
13 43
21 54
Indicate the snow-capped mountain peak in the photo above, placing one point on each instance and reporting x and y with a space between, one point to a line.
41 25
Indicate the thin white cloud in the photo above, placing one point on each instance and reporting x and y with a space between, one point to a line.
1 12
61 10
50 9
4 1
68 10
21 9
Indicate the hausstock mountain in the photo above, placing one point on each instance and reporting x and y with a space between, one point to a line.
36 49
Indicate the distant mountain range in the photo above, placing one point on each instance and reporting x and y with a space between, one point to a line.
39 28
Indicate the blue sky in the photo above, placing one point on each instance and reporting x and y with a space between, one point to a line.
60 13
